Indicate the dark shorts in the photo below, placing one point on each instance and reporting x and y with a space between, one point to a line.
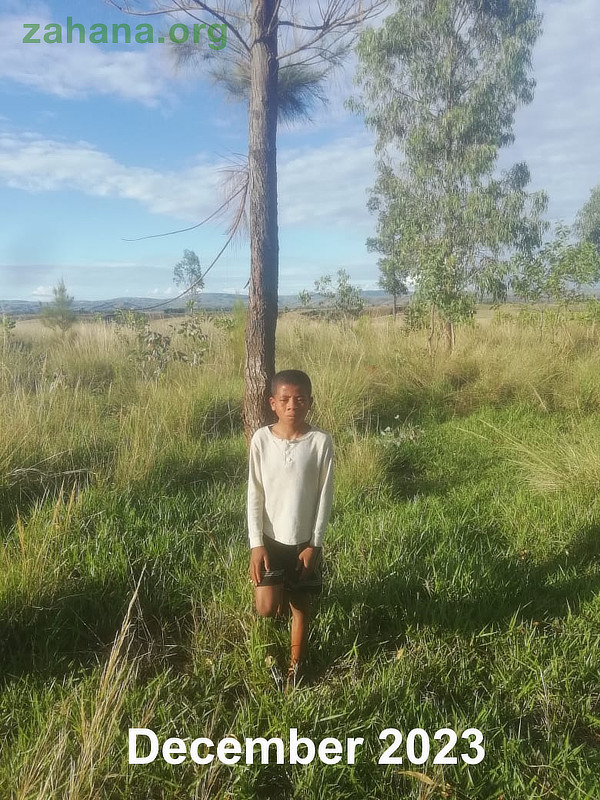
285 568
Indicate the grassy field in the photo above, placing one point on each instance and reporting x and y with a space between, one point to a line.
462 562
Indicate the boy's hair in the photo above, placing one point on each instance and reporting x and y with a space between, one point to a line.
294 376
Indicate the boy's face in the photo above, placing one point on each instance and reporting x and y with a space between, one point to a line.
290 403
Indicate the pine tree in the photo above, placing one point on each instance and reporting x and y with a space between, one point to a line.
277 54
59 312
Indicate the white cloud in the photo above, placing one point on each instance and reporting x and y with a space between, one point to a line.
42 291
78 70
168 292
366 285
557 135
319 185
327 185
31 162
234 290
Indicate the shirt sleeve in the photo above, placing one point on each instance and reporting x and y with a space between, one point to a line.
256 497
325 497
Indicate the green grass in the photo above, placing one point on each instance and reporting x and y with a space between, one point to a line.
462 565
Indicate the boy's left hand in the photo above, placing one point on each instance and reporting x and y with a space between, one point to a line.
308 560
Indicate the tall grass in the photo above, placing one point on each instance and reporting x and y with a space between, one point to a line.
462 572
55 769
563 460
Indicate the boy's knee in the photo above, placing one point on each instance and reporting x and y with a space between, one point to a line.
266 610
267 604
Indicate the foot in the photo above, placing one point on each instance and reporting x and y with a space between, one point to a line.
276 673
277 676
294 676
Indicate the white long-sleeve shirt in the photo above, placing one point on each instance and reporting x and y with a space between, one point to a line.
290 487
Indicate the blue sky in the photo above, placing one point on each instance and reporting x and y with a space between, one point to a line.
99 143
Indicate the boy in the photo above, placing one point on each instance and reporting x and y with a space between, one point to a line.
290 491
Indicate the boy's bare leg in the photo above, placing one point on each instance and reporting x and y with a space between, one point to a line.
268 600
300 608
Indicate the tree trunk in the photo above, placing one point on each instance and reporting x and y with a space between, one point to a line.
449 336
261 320
431 333
395 306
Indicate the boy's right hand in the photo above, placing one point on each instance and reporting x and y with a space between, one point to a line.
259 564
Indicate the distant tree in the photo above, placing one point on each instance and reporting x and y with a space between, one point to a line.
587 225
304 298
393 281
557 270
7 326
440 82
188 273
342 300
324 288
394 264
348 300
59 312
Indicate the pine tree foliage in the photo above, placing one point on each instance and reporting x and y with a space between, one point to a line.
59 312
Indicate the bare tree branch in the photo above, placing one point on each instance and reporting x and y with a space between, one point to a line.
219 14
232 232
222 15
240 48
337 16
219 210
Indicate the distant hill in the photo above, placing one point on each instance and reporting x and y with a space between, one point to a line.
210 301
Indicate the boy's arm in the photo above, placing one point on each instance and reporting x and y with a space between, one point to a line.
325 497
256 498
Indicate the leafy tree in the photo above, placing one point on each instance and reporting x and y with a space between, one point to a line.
272 52
129 318
394 264
304 298
341 300
440 82
587 225
324 288
558 270
392 280
59 312
188 273
348 300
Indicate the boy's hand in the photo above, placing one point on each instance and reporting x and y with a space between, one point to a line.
308 560
259 564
